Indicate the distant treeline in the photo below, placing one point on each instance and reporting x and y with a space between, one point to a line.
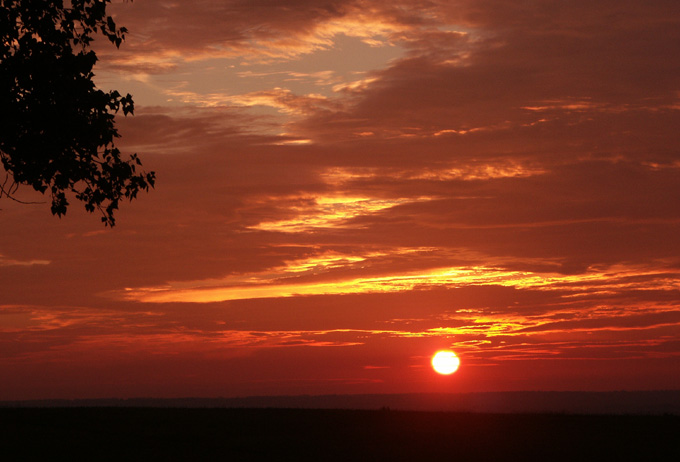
616 402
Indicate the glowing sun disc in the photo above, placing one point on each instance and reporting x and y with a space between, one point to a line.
445 362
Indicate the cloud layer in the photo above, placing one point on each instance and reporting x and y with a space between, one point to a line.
345 187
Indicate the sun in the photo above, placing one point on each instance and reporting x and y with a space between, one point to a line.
445 362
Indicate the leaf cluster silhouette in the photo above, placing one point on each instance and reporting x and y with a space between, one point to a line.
58 130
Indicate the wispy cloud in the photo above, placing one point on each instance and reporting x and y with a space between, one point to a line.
4 261
331 212
284 281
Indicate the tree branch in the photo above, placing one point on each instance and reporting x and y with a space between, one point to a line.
13 187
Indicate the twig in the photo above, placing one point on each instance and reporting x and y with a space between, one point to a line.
13 187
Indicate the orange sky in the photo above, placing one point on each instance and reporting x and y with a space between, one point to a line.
345 187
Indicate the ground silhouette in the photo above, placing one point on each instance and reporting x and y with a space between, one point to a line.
329 435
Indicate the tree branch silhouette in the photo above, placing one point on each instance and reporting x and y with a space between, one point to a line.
58 130
8 191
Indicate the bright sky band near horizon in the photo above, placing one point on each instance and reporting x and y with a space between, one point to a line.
346 187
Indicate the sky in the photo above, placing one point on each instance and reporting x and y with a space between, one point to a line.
345 187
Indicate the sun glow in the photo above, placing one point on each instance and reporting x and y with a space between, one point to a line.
445 362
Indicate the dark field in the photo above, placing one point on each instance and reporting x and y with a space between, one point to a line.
322 435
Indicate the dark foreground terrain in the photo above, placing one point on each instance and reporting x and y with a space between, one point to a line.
323 435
